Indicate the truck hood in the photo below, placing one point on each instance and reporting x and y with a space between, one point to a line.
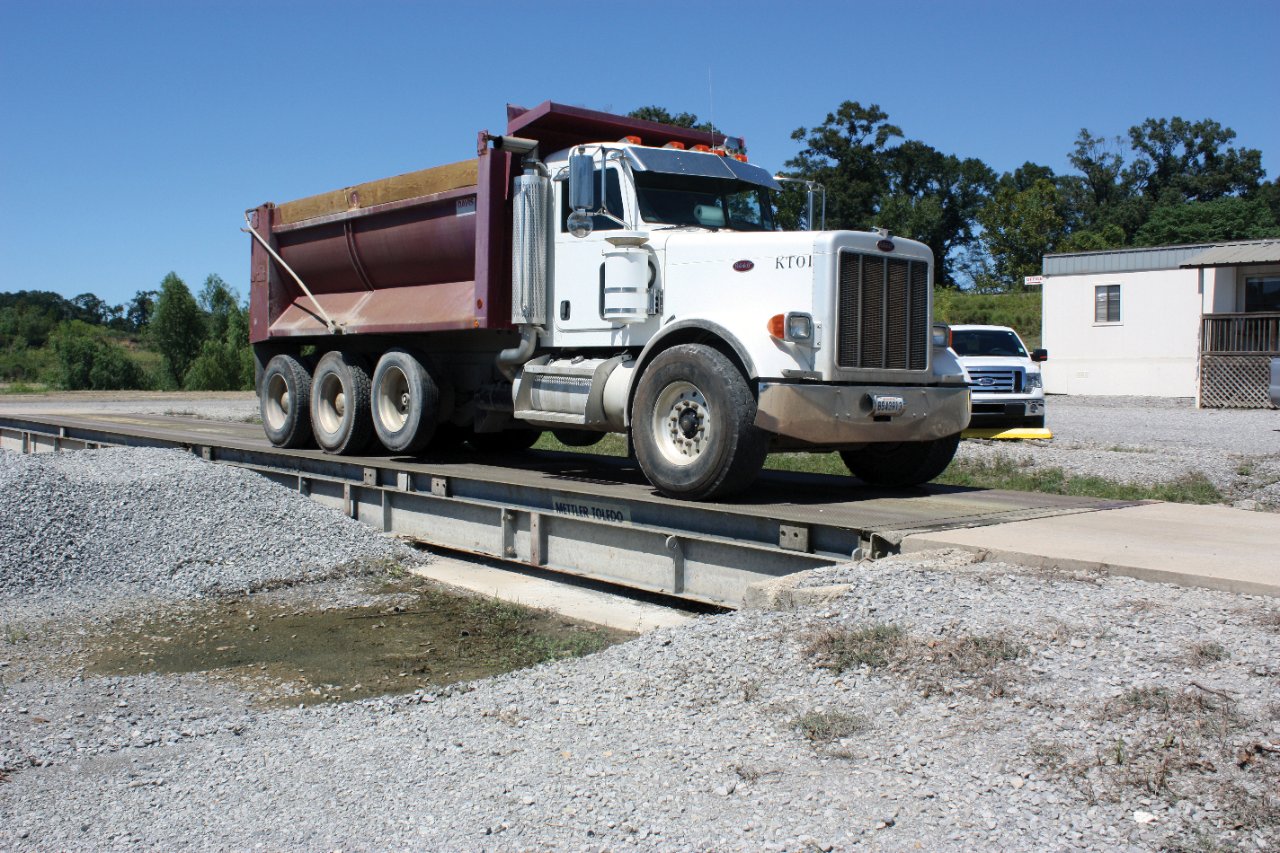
763 249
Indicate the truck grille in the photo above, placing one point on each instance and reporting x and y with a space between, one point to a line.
995 380
883 313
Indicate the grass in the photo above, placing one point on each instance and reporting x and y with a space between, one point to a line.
14 634
1001 474
24 388
875 647
829 726
1202 654
933 665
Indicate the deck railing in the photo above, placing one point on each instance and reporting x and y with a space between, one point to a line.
1255 333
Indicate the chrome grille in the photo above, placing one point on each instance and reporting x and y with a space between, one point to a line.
995 380
883 313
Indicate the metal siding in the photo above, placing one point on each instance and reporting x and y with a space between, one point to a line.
1262 252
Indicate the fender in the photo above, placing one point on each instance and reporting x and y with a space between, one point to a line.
689 332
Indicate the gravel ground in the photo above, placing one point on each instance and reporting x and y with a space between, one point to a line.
922 702
1151 440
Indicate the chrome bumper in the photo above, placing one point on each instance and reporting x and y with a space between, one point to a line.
842 414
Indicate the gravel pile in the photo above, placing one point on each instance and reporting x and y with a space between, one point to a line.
1016 711
127 522
1149 440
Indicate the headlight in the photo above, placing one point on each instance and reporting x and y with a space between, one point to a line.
1033 381
799 327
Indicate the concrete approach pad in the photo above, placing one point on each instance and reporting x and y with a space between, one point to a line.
1207 546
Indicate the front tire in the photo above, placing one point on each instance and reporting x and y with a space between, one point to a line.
693 425
908 463
405 404
578 437
284 400
340 408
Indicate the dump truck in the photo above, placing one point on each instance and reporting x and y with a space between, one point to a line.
585 274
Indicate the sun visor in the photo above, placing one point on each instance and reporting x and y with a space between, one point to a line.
673 161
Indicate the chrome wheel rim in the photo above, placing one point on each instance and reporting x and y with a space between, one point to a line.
681 425
332 404
394 399
277 401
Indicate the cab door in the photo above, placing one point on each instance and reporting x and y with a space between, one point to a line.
577 292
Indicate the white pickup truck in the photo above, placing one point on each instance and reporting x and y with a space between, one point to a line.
1004 378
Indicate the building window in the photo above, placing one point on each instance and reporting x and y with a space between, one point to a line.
1262 293
1106 303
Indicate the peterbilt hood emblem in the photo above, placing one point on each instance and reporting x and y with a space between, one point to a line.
744 266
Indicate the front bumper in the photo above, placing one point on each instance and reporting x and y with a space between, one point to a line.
998 412
842 414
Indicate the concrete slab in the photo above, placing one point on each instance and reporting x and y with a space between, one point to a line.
586 605
1207 546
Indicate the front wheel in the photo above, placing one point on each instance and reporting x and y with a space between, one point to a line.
908 463
693 425
506 441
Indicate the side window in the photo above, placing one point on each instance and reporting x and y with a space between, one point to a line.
613 202
1262 293
1106 303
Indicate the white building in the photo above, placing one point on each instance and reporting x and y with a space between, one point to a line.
1197 321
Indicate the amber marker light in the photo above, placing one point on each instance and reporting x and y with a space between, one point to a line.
634 140
676 145
777 326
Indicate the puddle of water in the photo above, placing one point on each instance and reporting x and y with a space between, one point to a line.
287 652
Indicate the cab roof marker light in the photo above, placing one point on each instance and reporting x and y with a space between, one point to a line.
678 145
634 140
701 148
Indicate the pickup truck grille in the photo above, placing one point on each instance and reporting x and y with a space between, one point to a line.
995 380
883 313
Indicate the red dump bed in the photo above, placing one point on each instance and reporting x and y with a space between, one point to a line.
425 251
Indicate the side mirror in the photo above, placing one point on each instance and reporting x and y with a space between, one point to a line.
1039 355
582 194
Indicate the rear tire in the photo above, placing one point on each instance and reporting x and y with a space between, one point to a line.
693 425
405 402
340 409
908 463
284 401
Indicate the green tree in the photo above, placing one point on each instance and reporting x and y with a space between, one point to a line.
219 303
1178 160
663 116
847 155
89 360
177 328
1226 218
933 197
1019 227
140 309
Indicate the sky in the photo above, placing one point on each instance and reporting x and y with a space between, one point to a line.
135 134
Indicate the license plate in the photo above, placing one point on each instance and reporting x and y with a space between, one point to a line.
884 405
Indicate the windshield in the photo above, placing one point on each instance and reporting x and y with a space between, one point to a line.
705 202
986 342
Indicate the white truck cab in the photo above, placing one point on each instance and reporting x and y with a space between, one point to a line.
1004 376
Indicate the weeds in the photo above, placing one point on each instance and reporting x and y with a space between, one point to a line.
930 664
875 647
14 634
1203 654
829 726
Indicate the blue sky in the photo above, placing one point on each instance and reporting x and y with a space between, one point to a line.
137 133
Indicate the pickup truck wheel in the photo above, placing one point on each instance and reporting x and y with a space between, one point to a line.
506 441
406 401
908 463
340 408
693 425
284 400
1035 423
